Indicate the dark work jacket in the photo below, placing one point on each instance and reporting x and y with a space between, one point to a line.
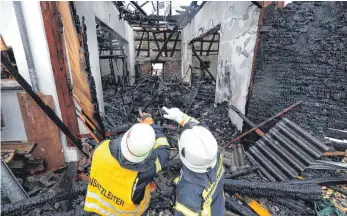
190 187
148 168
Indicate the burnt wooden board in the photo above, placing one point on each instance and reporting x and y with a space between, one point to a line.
56 45
41 130
80 80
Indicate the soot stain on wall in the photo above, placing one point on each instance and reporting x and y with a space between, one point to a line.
303 56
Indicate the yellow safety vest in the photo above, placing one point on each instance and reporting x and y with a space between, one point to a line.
111 187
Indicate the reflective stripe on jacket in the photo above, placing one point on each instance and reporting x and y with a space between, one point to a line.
198 194
111 186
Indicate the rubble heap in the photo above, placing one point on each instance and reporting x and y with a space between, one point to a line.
151 93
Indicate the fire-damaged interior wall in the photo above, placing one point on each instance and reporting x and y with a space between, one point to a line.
147 46
302 56
238 23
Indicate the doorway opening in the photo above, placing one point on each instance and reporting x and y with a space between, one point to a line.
113 58
205 54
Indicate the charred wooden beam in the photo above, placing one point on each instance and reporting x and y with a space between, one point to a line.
150 30
203 64
153 5
148 25
170 50
214 30
138 7
165 44
150 18
256 3
201 47
156 40
160 40
170 10
209 55
209 47
174 46
165 47
157 8
144 3
111 56
149 50
138 52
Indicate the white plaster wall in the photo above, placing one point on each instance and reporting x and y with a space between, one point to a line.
238 30
10 32
14 126
14 129
130 51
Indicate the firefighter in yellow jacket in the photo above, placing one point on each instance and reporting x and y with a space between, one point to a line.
123 168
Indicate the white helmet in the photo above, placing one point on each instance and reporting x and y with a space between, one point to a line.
198 149
138 142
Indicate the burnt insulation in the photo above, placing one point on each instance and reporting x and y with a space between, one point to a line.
285 151
302 56
309 192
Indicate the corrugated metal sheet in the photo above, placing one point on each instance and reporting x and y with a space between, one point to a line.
285 151
238 159
235 159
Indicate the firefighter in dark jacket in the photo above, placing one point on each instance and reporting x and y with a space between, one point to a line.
200 185
123 168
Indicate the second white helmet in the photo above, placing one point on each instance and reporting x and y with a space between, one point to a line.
138 142
198 149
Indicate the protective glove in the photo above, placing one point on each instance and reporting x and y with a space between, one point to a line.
145 118
176 115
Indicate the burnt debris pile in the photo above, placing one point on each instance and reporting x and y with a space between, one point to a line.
151 93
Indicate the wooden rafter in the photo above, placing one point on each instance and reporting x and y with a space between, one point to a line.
174 46
201 47
218 43
162 40
156 40
138 53
209 47
149 50
165 45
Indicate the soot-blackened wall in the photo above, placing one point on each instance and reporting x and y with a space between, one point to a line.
302 55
